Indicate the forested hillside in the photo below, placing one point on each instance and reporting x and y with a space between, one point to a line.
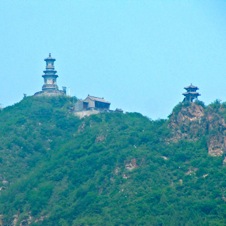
111 168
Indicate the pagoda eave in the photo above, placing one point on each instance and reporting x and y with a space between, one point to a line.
48 70
50 59
49 76
191 93
191 87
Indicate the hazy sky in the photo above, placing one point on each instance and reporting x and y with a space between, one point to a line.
137 54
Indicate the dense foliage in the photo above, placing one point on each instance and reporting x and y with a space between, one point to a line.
106 169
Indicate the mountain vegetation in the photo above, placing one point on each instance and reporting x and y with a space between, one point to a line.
111 168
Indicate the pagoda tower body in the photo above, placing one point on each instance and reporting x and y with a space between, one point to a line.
191 93
50 75
50 87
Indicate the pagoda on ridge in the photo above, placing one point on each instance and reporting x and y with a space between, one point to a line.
191 93
50 87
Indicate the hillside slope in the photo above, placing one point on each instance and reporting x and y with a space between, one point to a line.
107 169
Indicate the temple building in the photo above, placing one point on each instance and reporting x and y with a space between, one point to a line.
191 93
50 87
92 103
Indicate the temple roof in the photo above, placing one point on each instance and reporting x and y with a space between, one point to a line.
97 99
192 93
191 87
50 58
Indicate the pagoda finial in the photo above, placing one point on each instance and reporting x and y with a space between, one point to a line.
49 54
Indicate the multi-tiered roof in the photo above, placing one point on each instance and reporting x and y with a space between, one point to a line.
191 93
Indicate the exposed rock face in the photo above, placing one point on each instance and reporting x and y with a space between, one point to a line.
131 165
1 221
100 139
82 114
188 123
216 145
192 113
192 122
216 132
224 162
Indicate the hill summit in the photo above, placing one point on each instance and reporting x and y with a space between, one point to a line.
111 168
193 121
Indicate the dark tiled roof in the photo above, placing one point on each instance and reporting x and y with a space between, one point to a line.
98 99
50 57
193 93
191 87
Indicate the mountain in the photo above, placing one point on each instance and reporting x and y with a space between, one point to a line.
111 168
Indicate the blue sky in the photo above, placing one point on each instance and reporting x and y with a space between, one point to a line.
137 54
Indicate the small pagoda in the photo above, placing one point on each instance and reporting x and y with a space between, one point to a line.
191 93
50 87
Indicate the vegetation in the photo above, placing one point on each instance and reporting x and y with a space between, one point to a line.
107 169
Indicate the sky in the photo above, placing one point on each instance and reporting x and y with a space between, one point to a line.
137 54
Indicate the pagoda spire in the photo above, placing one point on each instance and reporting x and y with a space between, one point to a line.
191 93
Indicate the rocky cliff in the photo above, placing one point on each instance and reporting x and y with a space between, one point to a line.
194 121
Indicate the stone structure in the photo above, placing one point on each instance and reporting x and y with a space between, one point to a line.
191 93
50 87
98 103
92 103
